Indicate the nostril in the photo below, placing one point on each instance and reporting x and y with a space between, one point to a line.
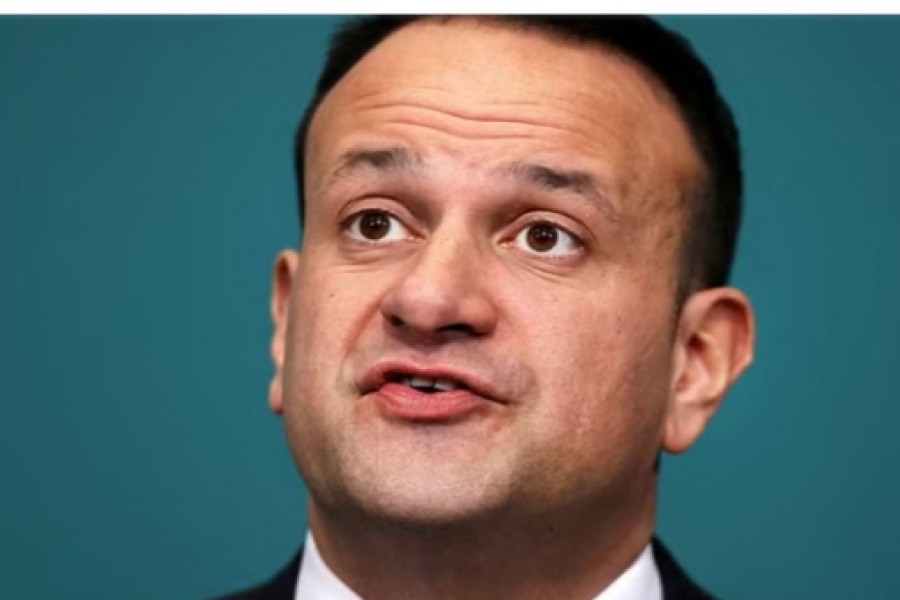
459 327
395 321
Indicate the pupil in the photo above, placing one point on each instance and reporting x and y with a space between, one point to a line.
374 225
542 237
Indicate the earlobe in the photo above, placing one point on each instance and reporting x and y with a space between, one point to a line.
282 284
713 346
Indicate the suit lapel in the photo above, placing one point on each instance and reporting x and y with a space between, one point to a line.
675 583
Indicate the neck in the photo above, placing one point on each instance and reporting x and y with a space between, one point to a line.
546 556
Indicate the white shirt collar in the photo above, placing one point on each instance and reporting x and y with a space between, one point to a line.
316 581
640 581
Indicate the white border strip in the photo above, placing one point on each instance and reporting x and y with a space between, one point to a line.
236 7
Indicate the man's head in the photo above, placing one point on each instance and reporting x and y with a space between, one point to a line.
479 327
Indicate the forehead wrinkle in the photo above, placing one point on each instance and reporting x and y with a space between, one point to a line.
463 126
490 103
395 113
462 107
465 106
429 104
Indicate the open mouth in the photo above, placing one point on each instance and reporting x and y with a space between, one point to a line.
445 385
426 397
431 394
428 385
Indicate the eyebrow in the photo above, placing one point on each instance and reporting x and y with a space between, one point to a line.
380 159
578 183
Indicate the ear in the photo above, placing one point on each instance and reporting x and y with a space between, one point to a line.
713 346
282 283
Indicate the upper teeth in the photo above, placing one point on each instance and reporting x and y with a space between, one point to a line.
443 385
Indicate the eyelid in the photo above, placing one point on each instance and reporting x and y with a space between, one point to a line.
352 221
531 220
374 202
542 219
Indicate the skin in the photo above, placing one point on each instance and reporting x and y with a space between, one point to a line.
548 489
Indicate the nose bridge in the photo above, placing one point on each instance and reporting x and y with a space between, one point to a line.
443 286
449 254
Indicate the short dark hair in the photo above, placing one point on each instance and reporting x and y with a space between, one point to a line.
714 208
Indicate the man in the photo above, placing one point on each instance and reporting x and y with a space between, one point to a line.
510 298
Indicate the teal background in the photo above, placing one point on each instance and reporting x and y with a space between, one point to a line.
146 185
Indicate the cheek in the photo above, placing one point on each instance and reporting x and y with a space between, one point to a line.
327 313
330 308
604 372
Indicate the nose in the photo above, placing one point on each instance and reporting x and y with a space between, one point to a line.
443 294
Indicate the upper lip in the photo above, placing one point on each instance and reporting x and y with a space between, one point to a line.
385 371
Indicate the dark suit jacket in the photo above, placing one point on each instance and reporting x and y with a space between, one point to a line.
675 583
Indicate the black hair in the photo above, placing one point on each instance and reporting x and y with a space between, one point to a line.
714 207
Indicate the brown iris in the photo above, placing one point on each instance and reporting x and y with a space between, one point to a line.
542 238
374 225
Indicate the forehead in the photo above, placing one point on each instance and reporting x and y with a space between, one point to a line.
480 92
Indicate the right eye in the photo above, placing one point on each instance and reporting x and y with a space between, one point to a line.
376 226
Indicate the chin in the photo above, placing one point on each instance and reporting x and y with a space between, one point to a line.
422 498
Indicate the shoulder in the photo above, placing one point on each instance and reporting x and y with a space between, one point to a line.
280 587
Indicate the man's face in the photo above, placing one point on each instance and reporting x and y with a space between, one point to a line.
481 321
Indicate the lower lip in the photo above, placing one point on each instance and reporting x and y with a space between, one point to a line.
404 402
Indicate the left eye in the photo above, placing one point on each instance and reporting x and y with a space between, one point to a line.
547 239
376 226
